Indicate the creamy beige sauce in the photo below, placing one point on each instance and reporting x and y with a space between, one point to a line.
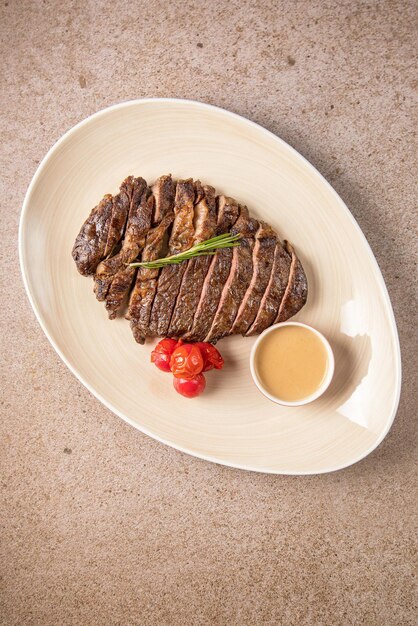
291 363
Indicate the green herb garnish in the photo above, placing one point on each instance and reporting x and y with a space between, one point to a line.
208 247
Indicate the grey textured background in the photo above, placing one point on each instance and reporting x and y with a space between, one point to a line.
99 523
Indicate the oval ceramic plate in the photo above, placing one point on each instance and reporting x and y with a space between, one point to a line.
232 422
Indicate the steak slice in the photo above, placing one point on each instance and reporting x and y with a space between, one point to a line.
197 268
263 255
182 235
113 277
164 191
121 204
91 242
238 280
217 275
296 292
228 212
142 296
273 295
170 276
107 269
133 244
103 229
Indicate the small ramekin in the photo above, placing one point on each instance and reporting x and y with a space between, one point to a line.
321 389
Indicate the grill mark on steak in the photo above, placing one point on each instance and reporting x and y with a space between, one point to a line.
142 296
238 280
108 268
228 211
170 276
197 268
263 255
296 292
274 292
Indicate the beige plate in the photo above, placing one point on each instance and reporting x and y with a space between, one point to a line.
232 422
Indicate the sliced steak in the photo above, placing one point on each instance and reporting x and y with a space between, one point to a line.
118 290
238 280
296 292
103 230
142 296
263 255
273 295
228 211
170 277
197 268
242 290
164 191
107 269
183 227
133 244
90 245
113 277
121 205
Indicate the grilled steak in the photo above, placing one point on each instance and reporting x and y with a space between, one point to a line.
240 290
164 192
196 270
121 204
113 277
228 212
270 302
217 275
134 240
263 255
170 277
238 280
91 243
107 269
296 291
142 296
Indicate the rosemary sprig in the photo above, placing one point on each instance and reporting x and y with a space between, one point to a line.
204 248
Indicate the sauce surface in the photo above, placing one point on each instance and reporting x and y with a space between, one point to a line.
291 363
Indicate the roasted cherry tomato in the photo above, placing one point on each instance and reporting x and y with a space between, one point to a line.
211 356
186 361
190 387
162 352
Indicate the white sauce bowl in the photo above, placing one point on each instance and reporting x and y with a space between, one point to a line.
325 383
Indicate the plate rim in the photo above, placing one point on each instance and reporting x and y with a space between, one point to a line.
298 155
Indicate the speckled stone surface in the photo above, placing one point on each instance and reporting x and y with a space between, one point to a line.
99 523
